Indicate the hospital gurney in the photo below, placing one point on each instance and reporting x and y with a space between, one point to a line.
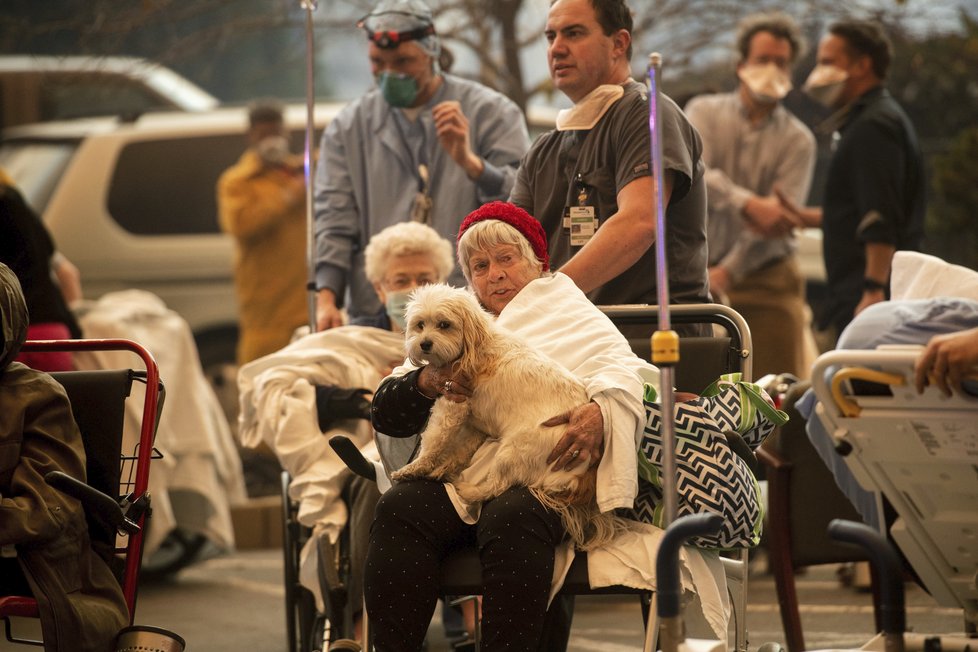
920 452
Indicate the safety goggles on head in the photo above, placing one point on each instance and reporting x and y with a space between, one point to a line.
388 39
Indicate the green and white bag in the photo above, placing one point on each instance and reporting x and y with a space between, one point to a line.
710 476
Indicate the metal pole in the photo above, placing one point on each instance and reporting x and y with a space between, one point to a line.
665 341
310 6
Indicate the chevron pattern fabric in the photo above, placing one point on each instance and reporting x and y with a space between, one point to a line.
710 477
744 408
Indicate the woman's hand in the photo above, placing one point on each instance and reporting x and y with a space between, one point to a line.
444 381
584 439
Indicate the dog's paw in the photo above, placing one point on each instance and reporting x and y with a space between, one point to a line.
410 472
399 476
471 493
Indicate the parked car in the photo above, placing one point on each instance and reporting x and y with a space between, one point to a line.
41 88
133 205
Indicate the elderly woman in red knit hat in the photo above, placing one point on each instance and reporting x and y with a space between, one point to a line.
522 545
503 252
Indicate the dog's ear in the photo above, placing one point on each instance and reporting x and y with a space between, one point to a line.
475 330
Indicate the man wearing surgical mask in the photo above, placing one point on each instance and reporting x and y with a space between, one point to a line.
421 145
754 148
875 187
261 203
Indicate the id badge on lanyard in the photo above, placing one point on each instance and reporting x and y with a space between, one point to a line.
580 221
421 208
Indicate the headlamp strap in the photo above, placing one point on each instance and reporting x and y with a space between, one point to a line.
389 39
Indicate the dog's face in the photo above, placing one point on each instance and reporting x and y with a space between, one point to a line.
442 323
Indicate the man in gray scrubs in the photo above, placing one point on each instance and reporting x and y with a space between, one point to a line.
589 182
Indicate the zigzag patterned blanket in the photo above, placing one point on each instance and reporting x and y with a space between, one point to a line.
710 476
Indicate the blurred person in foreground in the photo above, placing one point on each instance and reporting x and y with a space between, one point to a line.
754 147
261 203
875 188
589 182
50 282
44 539
422 145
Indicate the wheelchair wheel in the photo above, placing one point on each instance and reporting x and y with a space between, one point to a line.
307 629
300 605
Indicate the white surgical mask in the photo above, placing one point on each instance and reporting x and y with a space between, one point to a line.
766 82
396 306
273 150
589 109
825 84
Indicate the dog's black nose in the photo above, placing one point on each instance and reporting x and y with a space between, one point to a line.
426 346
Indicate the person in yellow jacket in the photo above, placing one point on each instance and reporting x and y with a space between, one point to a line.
261 202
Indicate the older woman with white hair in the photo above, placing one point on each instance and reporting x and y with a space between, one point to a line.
397 260
335 371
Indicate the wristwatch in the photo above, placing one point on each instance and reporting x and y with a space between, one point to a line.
873 284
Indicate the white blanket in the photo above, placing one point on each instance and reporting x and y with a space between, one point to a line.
199 456
278 407
582 342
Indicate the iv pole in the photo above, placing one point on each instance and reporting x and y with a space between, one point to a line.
310 6
665 341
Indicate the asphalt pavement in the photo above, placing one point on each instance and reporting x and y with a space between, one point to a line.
236 603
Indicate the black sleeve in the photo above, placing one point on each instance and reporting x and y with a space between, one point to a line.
399 409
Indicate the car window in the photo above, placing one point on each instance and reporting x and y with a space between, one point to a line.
36 167
168 187
66 96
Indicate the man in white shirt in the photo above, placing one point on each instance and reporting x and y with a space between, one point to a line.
754 148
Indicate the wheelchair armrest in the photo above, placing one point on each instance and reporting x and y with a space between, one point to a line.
771 458
103 507
347 451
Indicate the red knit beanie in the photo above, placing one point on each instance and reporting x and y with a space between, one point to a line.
517 218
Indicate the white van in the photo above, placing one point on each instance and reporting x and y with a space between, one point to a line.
42 88
133 204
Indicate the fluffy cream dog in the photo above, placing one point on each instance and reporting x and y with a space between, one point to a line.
515 389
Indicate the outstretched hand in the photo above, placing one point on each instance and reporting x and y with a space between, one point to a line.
947 360
583 440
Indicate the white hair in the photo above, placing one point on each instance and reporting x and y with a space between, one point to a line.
407 239
490 233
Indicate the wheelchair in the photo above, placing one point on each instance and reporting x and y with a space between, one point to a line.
116 500
704 358
307 628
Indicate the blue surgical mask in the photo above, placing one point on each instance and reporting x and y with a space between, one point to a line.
396 306
399 90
